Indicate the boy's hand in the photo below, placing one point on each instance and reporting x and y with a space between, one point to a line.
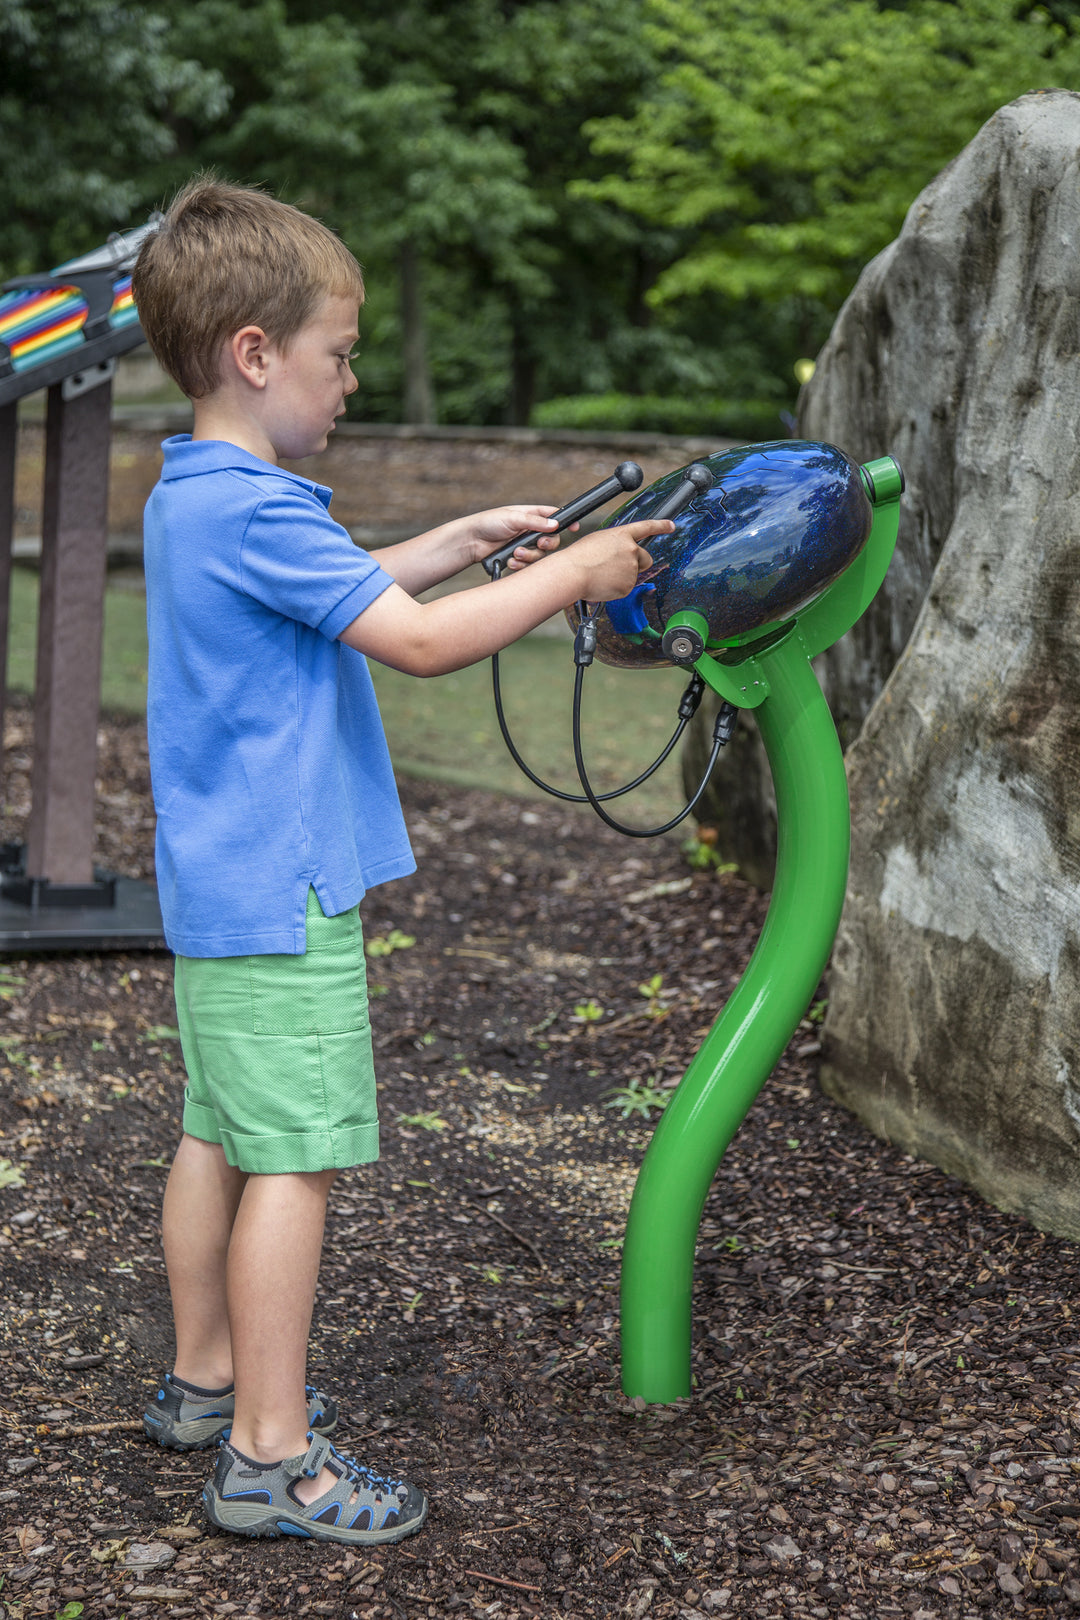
613 558
493 529
432 638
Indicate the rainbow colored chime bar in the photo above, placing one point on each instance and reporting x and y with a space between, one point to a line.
37 324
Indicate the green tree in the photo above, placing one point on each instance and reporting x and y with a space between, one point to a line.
447 195
370 138
87 92
789 137
471 121
583 322
476 114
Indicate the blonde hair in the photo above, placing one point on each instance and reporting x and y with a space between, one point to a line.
226 257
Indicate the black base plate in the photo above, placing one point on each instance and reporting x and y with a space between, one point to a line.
132 923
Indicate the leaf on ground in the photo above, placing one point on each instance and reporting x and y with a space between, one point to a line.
11 1175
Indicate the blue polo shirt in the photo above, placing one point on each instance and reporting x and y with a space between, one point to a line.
269 765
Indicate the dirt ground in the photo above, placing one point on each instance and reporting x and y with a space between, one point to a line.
887 1404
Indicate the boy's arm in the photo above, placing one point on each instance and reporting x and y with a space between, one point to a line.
440 553
433 638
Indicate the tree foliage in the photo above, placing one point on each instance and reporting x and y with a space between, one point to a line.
792 135
569 202
87 91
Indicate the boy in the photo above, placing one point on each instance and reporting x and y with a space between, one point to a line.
276 810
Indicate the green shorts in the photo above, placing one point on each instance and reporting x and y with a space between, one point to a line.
278 1052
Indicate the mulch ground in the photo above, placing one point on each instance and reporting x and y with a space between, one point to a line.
887 1402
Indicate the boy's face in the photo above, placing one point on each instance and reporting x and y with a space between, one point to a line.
311 379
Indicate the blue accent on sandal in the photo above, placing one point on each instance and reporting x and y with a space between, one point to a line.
186 1419
386 1509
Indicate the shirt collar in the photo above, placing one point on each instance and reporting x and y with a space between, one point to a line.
186 457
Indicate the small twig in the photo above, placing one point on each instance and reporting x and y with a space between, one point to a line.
507 1228
370 1569
72 1429
564 1361
487 956
525 1242
498 1580
501 1529
614 1559
869 1271
903 1355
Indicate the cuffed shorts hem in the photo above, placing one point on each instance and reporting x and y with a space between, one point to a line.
282 1155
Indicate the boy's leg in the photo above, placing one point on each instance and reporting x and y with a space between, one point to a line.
201 1199
273 1265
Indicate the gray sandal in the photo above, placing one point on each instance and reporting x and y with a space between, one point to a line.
187 1419
360 1508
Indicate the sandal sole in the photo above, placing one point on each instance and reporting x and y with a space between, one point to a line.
174 1442
252 1519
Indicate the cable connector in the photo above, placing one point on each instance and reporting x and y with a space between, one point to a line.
691 698
585 643
727 718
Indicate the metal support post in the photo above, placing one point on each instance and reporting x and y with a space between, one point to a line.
8 441
744 1044
60 836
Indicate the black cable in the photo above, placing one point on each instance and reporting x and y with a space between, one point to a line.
584 649
722 730
583 798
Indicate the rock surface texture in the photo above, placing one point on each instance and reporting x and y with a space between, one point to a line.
954 1024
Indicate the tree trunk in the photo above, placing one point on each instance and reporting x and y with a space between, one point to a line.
522 373
419 392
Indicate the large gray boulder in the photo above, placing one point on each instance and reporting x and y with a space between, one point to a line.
954 1020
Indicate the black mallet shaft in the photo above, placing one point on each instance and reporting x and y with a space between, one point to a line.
627 476
695 481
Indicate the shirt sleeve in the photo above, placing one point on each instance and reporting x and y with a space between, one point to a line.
296 560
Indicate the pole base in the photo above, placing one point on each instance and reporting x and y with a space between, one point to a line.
110 914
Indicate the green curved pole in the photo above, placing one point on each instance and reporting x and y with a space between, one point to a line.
738 1055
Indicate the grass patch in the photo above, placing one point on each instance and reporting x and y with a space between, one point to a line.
445 729
123 674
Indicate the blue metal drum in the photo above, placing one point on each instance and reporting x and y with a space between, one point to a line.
779 524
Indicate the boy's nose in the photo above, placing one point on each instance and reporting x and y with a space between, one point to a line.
353 383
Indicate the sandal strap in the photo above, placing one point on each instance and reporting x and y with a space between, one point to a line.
310 1464
376 1496
380 1483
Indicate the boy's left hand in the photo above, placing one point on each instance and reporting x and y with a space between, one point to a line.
493 529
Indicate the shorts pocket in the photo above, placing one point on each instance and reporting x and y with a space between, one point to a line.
323 992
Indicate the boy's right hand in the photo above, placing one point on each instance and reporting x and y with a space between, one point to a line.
433 638
614 558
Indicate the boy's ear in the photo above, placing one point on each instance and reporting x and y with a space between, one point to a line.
248 352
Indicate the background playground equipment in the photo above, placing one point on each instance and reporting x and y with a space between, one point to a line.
778 550
63 331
